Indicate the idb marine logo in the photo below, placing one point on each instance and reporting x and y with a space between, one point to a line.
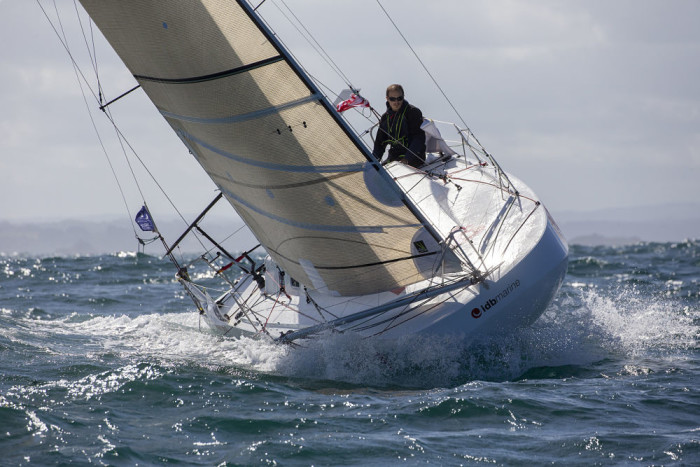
477 312
492 302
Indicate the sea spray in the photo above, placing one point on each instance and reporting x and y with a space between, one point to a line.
104 360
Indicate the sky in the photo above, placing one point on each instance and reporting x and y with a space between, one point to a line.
595 104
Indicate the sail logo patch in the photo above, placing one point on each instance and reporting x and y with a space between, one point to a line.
420 246
492 302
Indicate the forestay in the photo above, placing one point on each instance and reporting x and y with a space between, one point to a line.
306 186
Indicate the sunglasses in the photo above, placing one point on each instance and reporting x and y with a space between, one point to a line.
395 99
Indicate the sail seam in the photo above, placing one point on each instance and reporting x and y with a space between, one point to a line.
317 227
323 179
242 117
316 181
378 263
213 76
358 167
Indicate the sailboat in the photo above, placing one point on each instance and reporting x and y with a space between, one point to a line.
347 243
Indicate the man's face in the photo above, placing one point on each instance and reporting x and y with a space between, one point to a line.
395 99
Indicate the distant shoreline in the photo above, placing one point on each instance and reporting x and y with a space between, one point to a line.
613 227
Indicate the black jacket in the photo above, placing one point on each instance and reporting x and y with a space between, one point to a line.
401 129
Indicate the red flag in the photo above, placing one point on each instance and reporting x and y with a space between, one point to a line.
353 101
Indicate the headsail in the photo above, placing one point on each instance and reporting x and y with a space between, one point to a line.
305 185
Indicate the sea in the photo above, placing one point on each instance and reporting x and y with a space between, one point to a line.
104 361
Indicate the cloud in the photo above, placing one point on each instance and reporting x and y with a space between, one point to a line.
590 102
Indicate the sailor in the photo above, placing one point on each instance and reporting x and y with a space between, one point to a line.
400 128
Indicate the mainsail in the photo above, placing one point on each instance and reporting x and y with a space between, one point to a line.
306 186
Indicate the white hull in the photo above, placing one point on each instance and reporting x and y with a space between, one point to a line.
511 240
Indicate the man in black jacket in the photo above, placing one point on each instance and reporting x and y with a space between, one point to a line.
400 128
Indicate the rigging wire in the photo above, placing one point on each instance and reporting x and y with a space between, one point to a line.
98 97
64 44
97 70
316 46
423 64
499 170
319 48
501 174
78 73
90 50
325 58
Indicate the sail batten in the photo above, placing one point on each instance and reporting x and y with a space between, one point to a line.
305 184
213 76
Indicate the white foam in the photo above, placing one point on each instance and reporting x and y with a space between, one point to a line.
635 323
575 331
